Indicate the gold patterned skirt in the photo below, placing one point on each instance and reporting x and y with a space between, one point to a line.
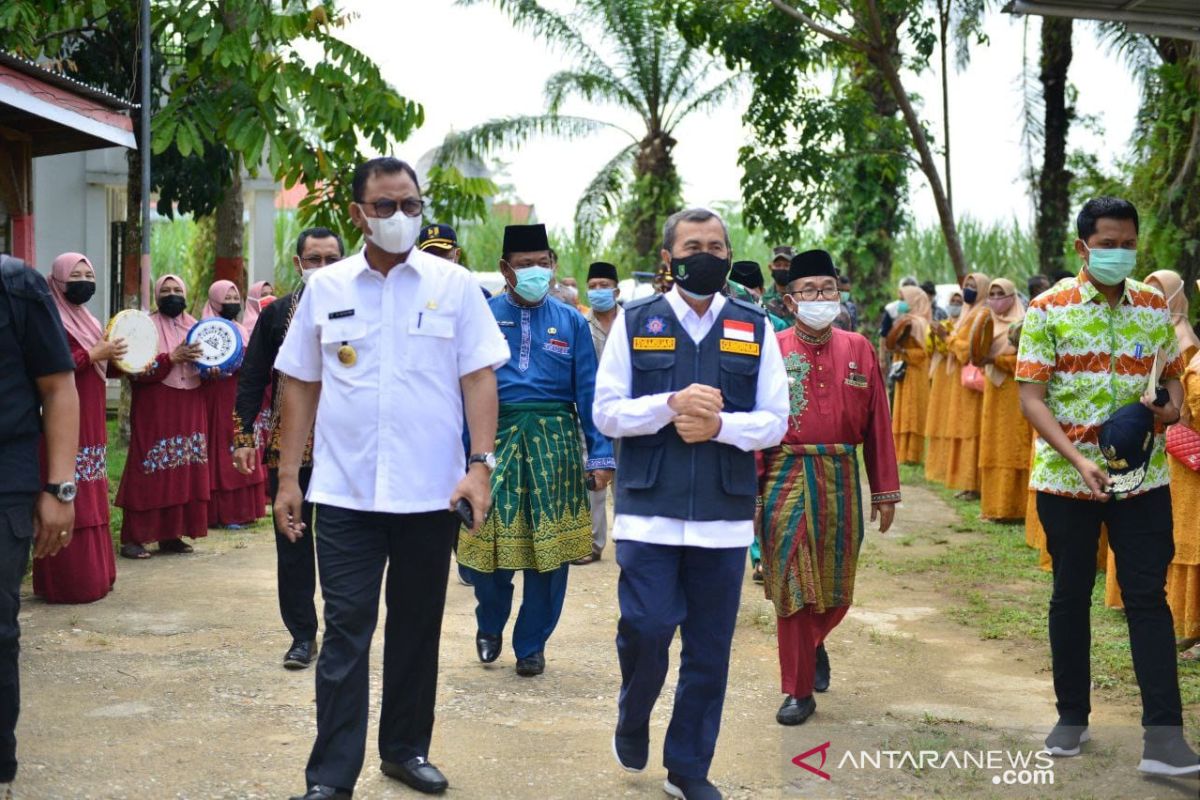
540 517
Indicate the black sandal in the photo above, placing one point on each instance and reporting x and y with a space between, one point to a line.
175 546
135 551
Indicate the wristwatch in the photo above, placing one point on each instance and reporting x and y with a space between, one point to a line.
63 492
487 459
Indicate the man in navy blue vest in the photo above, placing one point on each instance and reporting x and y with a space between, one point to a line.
692 383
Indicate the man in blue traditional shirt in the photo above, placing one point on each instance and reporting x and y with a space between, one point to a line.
540 518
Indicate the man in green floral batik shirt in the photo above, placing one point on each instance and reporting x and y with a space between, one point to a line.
1088 348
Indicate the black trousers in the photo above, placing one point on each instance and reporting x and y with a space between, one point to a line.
296 567
16 534
1140 535
353 547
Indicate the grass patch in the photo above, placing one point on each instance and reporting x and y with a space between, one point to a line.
997 588
118 452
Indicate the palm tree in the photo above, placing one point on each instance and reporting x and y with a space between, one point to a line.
647 69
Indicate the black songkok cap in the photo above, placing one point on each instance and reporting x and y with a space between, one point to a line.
525 239
747 273
602 269
812 264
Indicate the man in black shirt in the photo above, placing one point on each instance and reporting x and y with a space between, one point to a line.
37 384
315 248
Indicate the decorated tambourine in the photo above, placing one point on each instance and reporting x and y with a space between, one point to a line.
221 343
981 338
141 340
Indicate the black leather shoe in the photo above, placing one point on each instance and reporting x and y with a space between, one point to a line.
301 655
324 793
632 752
821 679
417 773
488 646
795 711
531 665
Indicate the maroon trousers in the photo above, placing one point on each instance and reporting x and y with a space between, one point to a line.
799 636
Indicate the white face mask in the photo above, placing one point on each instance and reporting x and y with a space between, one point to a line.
305 274
818 314
395 234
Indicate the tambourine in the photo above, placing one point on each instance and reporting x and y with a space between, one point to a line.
980 338
138 331
221 343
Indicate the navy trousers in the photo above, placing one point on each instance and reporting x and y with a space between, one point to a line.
541 605
296 567
696 590
16 534
353 547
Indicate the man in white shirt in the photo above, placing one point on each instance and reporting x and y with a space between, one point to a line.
693 384
394 343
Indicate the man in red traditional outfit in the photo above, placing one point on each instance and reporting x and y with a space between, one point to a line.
812 515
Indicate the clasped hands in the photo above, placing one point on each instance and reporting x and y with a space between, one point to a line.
697 412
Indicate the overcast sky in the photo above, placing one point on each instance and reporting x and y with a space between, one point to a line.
469 65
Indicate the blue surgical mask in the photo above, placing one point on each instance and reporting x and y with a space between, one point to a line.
845 297
533 283
902 308
1110 266
602 299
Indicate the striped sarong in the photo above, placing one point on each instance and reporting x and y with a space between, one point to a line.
540 516
812 526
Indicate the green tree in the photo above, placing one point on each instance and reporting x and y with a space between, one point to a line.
650 72
267 86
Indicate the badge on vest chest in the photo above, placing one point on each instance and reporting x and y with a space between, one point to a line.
654 343
740 347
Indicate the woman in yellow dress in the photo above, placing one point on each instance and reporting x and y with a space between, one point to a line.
966 405
911 396
1005 437
1183 575
942 374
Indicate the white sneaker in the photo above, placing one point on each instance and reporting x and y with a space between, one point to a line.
1171 758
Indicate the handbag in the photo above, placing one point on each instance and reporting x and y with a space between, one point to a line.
972 378
898 371
1184 444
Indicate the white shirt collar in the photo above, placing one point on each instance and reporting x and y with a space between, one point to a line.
682 309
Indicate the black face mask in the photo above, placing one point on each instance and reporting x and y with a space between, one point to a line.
780 276
79 292
970 296
231 310
700 273
171 305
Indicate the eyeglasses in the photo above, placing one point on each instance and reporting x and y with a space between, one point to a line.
817 294
542 264
314 262
412 207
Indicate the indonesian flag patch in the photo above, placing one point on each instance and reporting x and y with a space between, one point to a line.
742 331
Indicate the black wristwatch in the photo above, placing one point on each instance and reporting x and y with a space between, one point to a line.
63 492
487 459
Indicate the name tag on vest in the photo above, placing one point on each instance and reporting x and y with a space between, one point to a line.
654 343
743 348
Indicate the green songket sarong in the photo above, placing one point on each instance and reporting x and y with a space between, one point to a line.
812 526
540 517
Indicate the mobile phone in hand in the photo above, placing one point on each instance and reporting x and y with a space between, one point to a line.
465 513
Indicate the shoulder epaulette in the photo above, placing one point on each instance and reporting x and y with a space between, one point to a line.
644 301
762 312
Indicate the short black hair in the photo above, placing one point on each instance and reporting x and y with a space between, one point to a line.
317 233
1100 208
385 165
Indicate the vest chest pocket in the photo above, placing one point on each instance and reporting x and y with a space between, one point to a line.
652 372
739 381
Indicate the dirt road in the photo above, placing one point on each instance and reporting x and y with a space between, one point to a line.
172 688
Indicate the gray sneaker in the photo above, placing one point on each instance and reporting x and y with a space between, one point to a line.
1172 757
1064 740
